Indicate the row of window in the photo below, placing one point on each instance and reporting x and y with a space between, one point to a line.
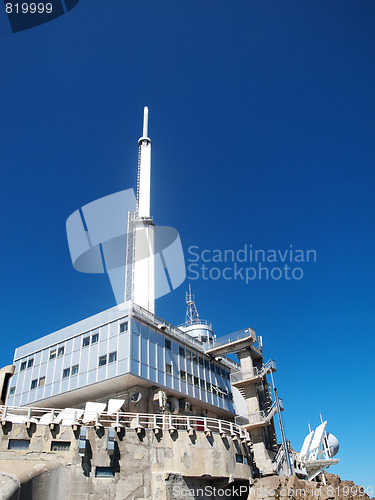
26 364
59 351
69 372
90 339
190 379
190 356
38 382
112 357
23 444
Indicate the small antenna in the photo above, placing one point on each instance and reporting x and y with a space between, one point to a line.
321 420
309 427
192 315
145 121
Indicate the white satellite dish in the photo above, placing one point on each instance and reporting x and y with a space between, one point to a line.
332 445
136 397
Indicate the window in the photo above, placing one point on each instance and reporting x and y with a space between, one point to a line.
239 458
189 378
34 383
74 370
85 341
30 363
196 381
201 362
217 370
95 338
168 368
123 327
195 359
112 357
203 384
102 360
104 472
181 351
206 364
60 351
12 390
188 355
183 375
208 386
23 366
42 381
18 444
60 446
168 344
52 354
66 373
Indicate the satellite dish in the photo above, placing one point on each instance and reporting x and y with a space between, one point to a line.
332 444
136 397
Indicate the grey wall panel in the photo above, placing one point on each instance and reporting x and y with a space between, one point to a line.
153 374
112 344
135 346
123 346
135 368
91 376
73 383
64 385
102 373
152 354
123 366
112 370
144 370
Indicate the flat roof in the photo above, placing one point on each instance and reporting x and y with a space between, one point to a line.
71 331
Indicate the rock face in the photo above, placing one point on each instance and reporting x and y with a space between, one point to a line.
292 488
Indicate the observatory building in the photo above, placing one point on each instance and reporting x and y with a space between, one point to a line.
126 405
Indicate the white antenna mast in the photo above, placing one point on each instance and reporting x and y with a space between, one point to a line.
140 272
144 170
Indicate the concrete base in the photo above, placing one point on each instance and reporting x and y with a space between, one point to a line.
145 465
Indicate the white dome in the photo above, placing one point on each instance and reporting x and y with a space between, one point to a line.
333 445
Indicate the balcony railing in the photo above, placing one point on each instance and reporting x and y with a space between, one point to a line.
232 337
71 417
242 376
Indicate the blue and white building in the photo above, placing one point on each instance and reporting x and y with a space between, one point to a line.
114 351
128 349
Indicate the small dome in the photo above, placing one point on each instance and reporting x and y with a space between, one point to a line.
333 445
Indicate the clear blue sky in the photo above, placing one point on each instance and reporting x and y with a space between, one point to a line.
262 117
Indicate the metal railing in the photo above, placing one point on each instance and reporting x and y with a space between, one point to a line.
138 421
197 321
241 376
232 337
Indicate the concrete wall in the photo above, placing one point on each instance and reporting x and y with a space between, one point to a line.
146 465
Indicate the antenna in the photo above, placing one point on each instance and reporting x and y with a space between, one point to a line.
145 121
192 315
144 170
140 273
